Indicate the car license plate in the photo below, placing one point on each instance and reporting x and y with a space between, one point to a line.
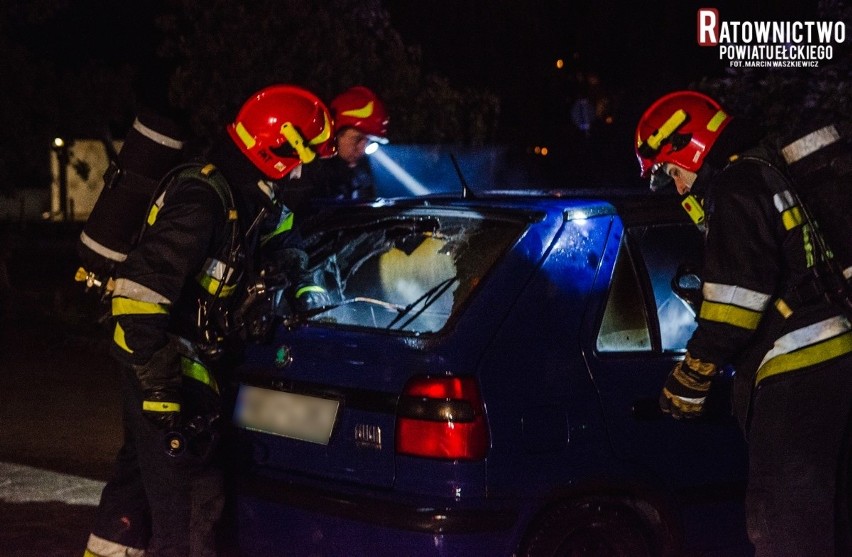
307 418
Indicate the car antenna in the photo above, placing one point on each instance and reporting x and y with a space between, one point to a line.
466 191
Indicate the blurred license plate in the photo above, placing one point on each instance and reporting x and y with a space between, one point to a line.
302 417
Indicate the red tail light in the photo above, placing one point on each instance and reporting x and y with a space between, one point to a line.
442 417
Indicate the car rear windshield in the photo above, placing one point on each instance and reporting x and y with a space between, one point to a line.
409 270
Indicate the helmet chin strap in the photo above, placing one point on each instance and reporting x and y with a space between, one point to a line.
267 187
270 188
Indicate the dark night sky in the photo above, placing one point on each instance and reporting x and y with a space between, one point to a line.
506 46
490 42
639 50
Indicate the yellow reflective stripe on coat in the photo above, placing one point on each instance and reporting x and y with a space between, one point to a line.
126 306
196 370
310 288
810 257
213 274
211 285
812 355
731 315
160 406
119 340
788 206
284 225
155 209
808 346
733 305
792 218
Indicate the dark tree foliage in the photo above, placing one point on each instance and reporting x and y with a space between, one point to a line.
66 73
787 101
227 50
82 68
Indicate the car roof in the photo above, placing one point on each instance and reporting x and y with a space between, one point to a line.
632 205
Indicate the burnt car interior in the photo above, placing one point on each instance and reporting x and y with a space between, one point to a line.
406 271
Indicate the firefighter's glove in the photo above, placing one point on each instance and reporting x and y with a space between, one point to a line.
686 387
285 267
162 407
160 379
310 296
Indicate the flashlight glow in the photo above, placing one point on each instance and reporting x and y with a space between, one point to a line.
399 173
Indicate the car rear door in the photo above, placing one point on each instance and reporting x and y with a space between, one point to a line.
637 331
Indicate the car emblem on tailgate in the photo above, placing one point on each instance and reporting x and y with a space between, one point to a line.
368 436
283 357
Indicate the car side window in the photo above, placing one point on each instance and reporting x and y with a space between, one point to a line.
663 249
646 264
625 323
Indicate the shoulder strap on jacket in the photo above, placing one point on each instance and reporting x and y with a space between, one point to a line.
210 175
827 279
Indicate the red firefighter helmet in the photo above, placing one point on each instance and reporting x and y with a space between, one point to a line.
282 126
360 108
680 128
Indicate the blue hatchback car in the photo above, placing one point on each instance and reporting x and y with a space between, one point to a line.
484 382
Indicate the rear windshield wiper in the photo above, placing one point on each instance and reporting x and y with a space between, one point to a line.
376 302
426 299
421 304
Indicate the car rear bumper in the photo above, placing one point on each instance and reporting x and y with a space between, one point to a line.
422 518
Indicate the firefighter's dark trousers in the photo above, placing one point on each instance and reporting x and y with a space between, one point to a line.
166 504
799 437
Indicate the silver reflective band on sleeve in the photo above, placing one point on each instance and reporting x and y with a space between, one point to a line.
217 269
812 334
810 143
135 291
157 137
104 548
735 295
699 400
784 201
101 249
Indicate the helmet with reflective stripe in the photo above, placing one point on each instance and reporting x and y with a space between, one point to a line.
282 126
680 128
358 107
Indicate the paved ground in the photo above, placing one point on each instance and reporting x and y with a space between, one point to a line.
59 432
59 398
58 427
44 529
58 410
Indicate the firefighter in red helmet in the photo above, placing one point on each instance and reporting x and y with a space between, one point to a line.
360 119
182 307
763 314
